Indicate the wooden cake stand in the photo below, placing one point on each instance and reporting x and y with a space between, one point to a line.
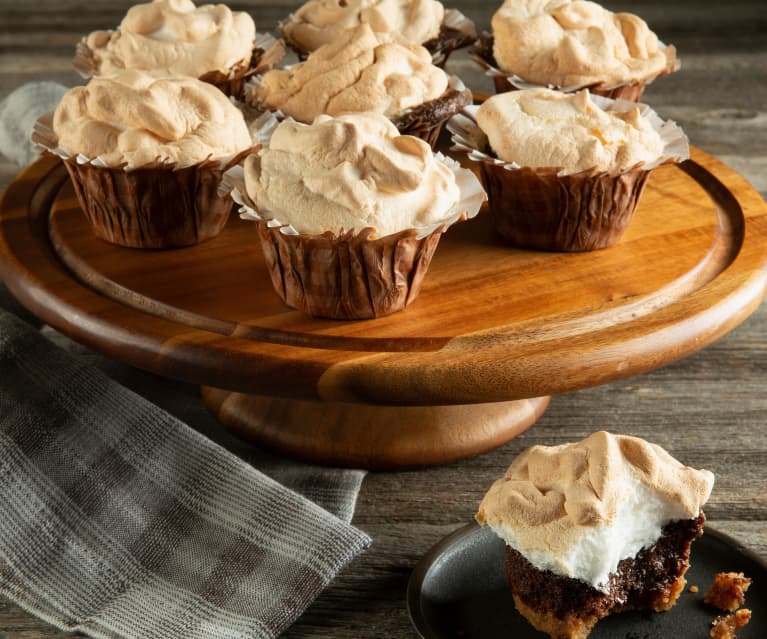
467 366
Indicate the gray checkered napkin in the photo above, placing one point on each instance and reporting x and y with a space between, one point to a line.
119 521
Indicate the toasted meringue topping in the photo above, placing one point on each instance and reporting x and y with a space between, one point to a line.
361 71
546 128
319 22
576 43
349 173
175 36
578 509
133 118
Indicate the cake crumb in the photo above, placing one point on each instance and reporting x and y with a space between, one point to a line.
694 588
728 592
726 626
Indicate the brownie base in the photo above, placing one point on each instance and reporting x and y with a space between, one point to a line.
568 608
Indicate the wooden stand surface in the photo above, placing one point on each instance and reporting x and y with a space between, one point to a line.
493 323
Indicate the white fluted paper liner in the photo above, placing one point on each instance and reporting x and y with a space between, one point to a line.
45 140
469 138
472 198
519 83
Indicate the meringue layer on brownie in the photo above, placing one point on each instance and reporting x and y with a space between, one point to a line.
135 119
576 43
319 22
578 509
177 36
360 71
347 174
544 128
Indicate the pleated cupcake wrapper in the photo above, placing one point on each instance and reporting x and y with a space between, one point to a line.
456 31
482 54
352 275
550 209
267 52
161 205
424 121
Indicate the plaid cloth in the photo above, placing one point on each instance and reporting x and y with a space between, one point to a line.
119 521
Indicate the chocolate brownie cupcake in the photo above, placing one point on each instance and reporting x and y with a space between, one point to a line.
363 71
424 22
349 212
209 42
570 45
146 156
595 528
564 172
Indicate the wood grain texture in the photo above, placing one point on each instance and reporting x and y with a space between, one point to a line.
709 409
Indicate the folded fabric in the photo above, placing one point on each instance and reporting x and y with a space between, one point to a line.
118 520
18 113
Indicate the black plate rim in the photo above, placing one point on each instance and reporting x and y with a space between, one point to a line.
425 564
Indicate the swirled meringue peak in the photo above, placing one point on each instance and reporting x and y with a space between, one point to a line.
319 22
176 36
578 509
546 128
360 71
349 173
136 119
575 43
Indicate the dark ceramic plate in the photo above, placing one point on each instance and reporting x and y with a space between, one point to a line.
459 591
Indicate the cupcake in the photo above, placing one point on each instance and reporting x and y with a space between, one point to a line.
424 22
349 212
572 44
595 528
366 71
209 42
146 156
565 172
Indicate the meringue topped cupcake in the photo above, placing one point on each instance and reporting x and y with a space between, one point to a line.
565 171
425 22
366 71
210 42
571 44
146 156
349 212
594 528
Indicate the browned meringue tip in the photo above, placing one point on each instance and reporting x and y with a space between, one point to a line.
482 53
347 277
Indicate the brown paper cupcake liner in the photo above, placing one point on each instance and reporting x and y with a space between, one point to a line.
548 209
267 53
156 207
352 275
456 32
426 121
346 277
482 54
561 213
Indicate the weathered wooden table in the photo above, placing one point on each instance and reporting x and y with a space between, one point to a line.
709 410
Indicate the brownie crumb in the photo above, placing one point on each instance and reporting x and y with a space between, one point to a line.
694 588
728 592
726 626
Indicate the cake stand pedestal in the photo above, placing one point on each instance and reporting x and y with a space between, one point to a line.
467 366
